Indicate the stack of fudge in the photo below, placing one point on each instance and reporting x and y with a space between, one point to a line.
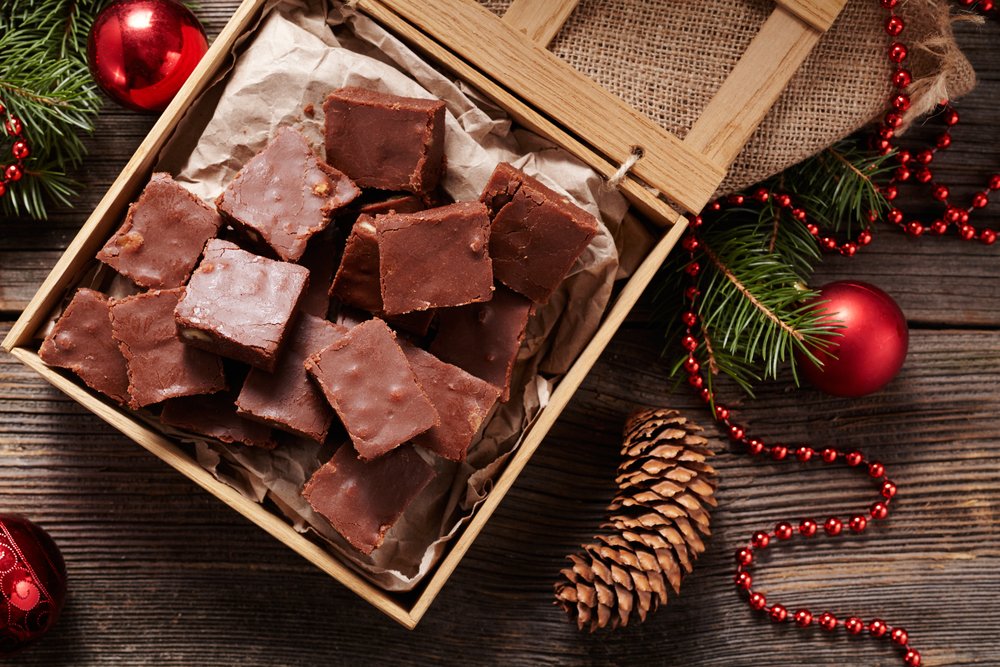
234 331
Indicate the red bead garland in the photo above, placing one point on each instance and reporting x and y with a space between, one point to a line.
20 149
783 531
918 167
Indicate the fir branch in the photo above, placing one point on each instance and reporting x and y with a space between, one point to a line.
765 310
45 82
758 261
840 186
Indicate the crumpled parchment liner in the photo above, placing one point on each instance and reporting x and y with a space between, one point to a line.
300 52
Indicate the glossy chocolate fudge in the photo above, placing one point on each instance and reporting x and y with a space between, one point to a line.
401 204
321 259
537 233
462 401
285 194
363 500
240 305
287 399
160 365
483 338
385 141
434 259
215 417
81 341
357 281
366 378
162 237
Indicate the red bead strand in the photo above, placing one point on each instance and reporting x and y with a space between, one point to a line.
918 167
20 149
784 531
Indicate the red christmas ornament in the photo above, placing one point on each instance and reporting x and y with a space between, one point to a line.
871 346
32 583
142 51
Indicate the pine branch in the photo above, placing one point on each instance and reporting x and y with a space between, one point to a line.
840 186
45 82
757 263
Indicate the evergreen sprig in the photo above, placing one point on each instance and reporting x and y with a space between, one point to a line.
757 262
45 82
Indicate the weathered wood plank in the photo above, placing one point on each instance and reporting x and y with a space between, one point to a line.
163 574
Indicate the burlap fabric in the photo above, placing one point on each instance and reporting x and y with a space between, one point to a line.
668 57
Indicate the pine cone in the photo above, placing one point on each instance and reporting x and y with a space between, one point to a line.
656 524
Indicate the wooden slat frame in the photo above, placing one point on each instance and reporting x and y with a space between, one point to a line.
540 21
715 140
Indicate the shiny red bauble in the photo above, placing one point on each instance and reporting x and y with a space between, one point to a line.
32 583
871 346
142 51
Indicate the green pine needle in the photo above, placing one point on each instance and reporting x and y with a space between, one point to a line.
45 82
757 262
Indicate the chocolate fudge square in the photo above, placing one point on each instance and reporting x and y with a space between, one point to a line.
484 338
435 258
240 305
357 281
162 237
81 341
462 401
366 378
285 194
160 365
287 399
537 234
385 141
215 417
363 500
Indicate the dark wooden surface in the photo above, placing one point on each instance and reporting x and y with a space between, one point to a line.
161 573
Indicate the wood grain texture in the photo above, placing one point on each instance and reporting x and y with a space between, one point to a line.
163 574
752 87
540 20
820 14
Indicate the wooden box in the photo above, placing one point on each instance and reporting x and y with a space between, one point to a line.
662 176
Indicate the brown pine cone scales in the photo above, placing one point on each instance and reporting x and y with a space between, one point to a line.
655 527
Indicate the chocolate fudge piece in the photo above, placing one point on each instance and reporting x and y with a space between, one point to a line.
287 399
462 401
385 141
401 204
160 366
362 501
285 194
366 378
537 233
81 341
240 305
434 259
215 417
321 259
357 281
162 237
483 338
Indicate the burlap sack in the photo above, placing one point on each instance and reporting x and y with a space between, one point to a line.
668 57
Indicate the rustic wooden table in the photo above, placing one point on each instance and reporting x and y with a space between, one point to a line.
162 573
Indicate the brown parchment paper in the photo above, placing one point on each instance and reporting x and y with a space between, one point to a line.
300 51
